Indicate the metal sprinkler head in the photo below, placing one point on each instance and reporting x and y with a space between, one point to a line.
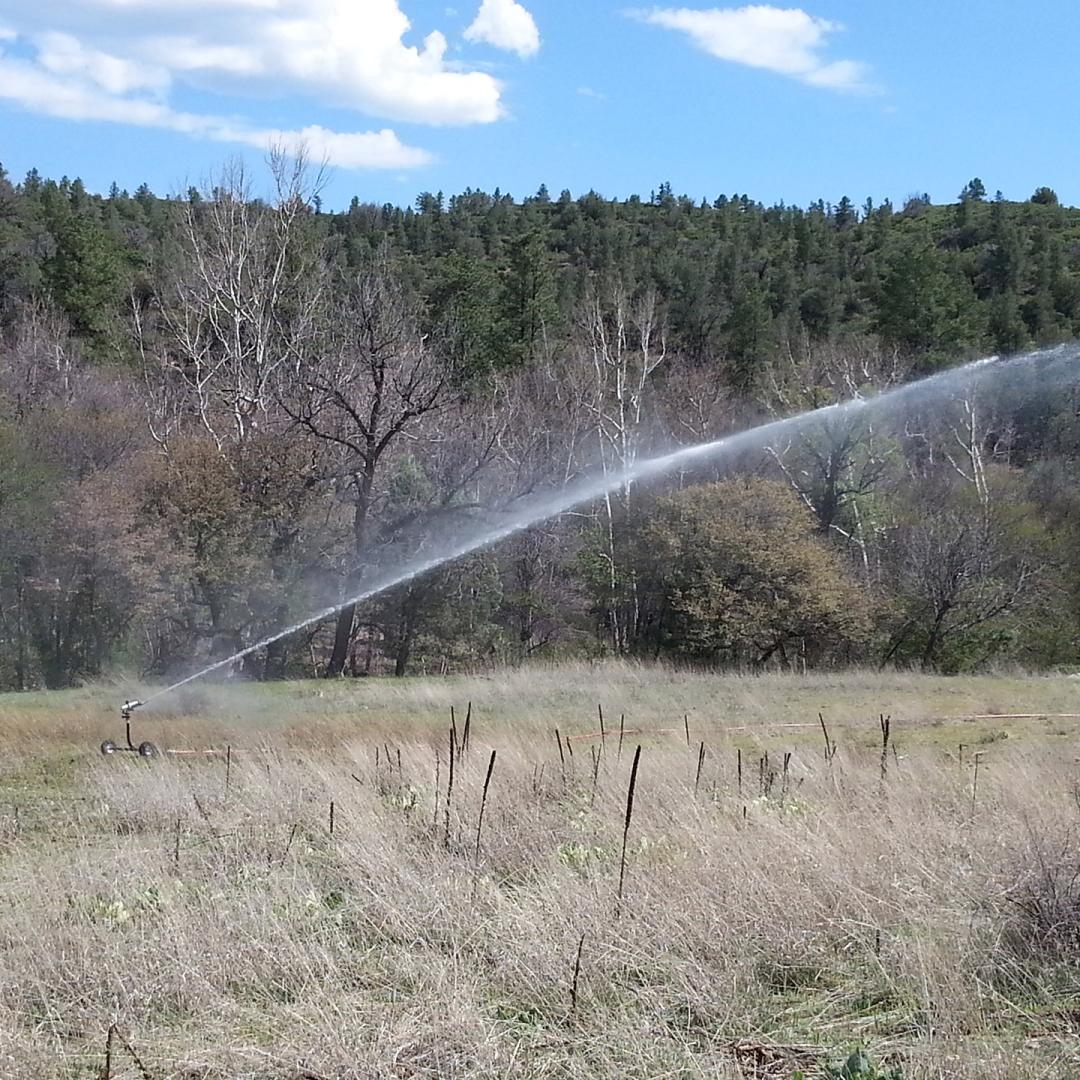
128 708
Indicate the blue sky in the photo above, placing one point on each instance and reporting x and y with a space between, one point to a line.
783 103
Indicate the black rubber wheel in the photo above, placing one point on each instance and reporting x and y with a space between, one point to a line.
108 747
147 749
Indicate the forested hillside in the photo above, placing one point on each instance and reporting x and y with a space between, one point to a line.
220 411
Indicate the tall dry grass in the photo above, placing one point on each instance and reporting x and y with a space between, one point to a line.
228 933
534 699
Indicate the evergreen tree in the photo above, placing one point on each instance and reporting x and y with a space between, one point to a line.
527 310
924 304
86 278
974 191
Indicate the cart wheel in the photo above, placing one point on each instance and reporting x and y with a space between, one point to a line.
147 749
108 747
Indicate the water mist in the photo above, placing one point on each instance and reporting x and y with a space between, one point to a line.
1049 369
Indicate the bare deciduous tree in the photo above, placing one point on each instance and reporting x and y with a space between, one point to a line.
627 344
960 567
832 466
813 374
242 300
372 385
40 363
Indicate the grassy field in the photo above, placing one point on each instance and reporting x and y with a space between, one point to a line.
203 905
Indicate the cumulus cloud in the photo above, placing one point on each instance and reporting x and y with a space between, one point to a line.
355 54
348 149
787 41
82 97
64 55
506 25
129 61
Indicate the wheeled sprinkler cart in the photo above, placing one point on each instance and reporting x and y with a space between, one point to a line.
144 749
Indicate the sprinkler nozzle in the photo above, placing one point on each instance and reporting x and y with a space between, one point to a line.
128 708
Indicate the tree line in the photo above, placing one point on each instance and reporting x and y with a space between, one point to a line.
224 410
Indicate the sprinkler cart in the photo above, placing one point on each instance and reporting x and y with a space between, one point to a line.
144 749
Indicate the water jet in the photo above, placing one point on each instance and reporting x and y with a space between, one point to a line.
1052 368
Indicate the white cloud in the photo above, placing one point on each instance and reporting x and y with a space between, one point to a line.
127 61
64 55
506 25
787 41
347 149
354 54
169 7
37 88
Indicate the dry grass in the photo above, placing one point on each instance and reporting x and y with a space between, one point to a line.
229 934
534 700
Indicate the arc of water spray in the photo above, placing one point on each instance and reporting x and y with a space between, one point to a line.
1054 365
